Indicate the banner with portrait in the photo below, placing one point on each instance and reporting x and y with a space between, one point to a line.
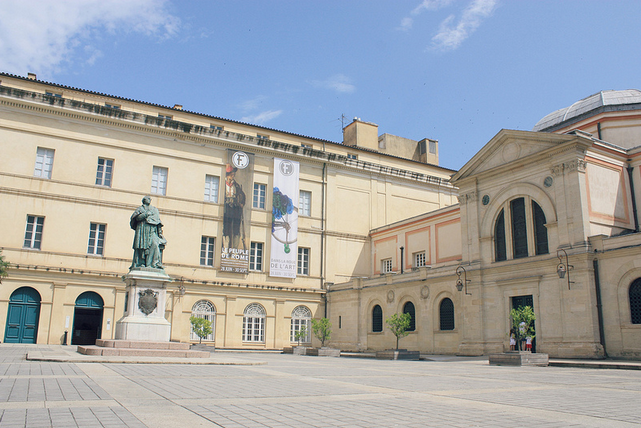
236 191
284 249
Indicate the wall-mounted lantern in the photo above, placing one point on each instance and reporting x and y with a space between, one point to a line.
460 283
563 268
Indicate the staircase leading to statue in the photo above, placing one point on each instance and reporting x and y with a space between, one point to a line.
133 348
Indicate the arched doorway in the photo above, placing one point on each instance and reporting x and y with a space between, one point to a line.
22 316
87 319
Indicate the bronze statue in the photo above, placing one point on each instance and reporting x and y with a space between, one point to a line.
148 239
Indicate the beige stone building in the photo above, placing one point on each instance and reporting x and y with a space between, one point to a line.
75 165
560 198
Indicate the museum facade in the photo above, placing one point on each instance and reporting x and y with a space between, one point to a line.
261 230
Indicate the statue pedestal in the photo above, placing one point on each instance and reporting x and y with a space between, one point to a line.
146 298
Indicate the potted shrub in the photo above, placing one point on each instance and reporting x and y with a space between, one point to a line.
322 330
201 327
398 325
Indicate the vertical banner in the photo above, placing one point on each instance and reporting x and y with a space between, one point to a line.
284 249
237 192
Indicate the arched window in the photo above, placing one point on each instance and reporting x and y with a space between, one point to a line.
408 308
254 323
301 317
635 301
377 319
204 309
511 226
446 312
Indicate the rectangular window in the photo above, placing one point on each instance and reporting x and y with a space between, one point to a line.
303 261
114 106
253 329
215 127
256 256
305 203
103 174
211 188
207 251
352 156
259 195
96 244
433 147
44 163
33 232
262 137
165 116
419 259
306 146
386 265
52 94
159 180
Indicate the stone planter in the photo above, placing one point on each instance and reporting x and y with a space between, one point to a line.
300 350
203 347
398 354
519 358
323 352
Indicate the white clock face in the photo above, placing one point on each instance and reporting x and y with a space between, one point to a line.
240 160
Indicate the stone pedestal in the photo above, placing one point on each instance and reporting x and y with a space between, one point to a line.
144 319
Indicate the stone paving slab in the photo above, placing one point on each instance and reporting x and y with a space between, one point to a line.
294 391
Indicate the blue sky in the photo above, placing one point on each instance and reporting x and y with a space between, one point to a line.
454 70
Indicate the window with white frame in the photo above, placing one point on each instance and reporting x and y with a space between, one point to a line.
386 265
33 232
419 259
303 261
256 256
521 227
211 188
301 317
254 323
44 163
305 203
206 310
207 251
96 245
259 195
159 180
104 172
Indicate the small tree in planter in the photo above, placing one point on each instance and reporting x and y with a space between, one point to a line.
201 327
398 324
300 334
322 329
523 324
4 266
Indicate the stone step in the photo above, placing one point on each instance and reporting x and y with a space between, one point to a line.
140 352
139 344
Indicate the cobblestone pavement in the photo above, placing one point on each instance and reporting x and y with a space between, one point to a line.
313 392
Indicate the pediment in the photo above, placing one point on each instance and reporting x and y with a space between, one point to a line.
509 147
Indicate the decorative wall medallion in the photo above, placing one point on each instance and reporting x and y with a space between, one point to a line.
148 301
511 152
425 292
390 296
486 199
548 181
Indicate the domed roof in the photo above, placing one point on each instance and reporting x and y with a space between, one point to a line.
604 100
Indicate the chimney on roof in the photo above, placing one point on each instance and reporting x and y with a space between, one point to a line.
31 76
361 134
178 106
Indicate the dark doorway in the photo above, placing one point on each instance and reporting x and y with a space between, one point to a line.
519 302
22 316
87 319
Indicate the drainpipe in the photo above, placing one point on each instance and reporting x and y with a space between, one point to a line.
634 199
322 251
599 308
402 249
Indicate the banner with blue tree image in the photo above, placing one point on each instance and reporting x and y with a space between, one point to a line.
284 249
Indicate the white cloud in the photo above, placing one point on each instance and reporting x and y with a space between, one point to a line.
41 36
262 118
338 82
408 22
451 34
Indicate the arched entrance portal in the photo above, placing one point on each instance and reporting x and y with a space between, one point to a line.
87 319
22 316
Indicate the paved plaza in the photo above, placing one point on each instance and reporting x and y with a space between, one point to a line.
277 390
